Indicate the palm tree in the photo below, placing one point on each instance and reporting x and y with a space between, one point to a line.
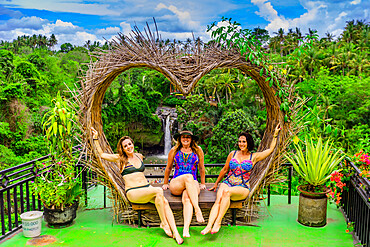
312 59
226 84
281 39
52 41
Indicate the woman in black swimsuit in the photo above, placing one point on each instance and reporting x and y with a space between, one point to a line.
137 187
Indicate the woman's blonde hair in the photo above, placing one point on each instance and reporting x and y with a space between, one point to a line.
123 158
193 145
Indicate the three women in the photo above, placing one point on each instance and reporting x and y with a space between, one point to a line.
188 157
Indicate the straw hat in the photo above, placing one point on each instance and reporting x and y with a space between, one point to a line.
186 132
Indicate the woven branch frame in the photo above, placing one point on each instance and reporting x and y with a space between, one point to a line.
183 66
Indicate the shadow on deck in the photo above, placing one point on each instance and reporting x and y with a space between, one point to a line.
94 226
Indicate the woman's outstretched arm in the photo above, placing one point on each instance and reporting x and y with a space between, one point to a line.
167 172
223 171
102 154
262 155
202 170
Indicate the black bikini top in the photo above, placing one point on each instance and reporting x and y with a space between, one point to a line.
131 169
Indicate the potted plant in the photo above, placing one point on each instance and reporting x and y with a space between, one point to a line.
58 185
314 164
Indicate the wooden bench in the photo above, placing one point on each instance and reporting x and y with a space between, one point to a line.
206 200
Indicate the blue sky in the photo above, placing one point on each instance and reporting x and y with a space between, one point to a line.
76 21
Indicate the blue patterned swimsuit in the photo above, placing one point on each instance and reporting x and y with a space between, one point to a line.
239 173
186 164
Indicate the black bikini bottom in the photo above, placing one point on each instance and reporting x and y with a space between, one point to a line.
139 187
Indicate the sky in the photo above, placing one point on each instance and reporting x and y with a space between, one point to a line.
76 21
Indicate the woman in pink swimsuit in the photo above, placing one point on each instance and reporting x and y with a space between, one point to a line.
236 185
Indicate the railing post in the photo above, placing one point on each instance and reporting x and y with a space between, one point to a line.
290 171
2 213
105 197
268 195
84 184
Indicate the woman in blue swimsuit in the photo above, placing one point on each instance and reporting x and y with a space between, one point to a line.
137 187
187 157
236 185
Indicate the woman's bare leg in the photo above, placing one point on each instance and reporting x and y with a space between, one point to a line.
187 182
155 195
224 205
171 221
228 193
187 212
214 211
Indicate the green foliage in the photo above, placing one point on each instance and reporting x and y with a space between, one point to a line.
172 101
60 126
126 111
59 186
316 162
6 62
31 144
66 47
8 158
225 134
12 91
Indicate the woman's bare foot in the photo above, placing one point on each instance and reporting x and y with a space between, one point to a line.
185 233
199 216
166 229
178 239
206 230
215 228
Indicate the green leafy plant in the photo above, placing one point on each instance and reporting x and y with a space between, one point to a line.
316 163
58 185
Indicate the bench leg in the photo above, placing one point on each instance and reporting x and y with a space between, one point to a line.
233 212
139 218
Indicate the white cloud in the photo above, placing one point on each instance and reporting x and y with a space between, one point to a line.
355 2
329 16
64 27
32 22
108 31
65 32
183 16
125 28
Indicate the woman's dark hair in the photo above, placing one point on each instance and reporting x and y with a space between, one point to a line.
250 141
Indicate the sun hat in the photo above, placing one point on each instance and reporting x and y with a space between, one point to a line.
186 132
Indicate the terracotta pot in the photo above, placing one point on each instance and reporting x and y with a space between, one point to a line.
312 208
60 218
313 194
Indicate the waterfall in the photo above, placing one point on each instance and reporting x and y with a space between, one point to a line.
167 136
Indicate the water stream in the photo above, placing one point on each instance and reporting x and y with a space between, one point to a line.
167 136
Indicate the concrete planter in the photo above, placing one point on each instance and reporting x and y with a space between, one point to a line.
312 208
60 218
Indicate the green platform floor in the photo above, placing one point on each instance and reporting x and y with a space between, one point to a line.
95 227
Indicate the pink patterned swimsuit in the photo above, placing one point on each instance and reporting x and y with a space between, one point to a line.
239 173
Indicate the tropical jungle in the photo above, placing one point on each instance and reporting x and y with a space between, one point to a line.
331 74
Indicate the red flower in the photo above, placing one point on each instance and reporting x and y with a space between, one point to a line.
347 231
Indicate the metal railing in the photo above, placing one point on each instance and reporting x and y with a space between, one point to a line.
15 193
356 206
